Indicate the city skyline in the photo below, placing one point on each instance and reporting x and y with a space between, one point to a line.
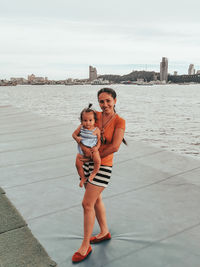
61 39
120 68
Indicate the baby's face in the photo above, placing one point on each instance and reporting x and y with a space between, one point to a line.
88 120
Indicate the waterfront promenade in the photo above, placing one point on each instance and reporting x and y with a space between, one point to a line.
152 200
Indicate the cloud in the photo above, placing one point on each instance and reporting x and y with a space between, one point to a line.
49 36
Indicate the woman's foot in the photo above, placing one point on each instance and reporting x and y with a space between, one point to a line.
77 257
100 237
83 250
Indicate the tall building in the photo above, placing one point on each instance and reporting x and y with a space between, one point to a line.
191 69
164 69
92 73
175 73
31 77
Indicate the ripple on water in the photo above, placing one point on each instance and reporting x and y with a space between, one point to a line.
165 116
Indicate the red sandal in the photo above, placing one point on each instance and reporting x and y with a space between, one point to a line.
94 239
77 257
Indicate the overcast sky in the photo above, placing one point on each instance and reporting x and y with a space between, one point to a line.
61 38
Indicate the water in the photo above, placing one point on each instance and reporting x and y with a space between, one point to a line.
167 116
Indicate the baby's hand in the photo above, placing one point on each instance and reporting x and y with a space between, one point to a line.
91 177
78 139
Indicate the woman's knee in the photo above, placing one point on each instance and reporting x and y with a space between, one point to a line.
87 205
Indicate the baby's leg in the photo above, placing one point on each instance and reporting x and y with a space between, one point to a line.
86 151
97 162
79 166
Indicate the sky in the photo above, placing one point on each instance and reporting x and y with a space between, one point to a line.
60 39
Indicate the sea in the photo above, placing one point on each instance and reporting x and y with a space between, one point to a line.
165 116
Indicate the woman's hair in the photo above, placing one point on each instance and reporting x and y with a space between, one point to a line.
111 92
87 110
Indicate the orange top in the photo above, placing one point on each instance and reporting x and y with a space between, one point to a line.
116 122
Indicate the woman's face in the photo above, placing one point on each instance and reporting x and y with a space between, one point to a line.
106 103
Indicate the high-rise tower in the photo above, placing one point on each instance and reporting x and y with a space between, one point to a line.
164 69
191 69
92 73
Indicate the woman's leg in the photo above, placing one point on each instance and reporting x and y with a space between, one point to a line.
100 212
92 193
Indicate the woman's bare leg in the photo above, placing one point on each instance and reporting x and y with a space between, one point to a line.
100 212
92 193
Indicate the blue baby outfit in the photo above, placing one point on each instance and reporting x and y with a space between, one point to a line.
88 139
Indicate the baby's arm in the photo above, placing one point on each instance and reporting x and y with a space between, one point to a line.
76 136
86 150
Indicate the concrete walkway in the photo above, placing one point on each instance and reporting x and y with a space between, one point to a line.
152 200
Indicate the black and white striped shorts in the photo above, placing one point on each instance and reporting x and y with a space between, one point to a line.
102 178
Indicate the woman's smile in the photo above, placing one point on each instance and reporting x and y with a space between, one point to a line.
107 103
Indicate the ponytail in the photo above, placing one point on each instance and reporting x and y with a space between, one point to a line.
123 140
88 109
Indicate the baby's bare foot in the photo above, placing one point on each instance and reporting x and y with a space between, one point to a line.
91 177
81 183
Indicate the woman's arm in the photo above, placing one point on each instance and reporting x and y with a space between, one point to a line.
98 139
98 134
114 146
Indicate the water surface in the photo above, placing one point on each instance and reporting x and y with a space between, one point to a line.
167 116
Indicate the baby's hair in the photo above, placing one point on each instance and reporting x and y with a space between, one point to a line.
87 110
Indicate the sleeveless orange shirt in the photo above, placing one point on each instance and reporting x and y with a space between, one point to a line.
109 129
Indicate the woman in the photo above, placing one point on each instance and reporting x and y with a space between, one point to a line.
112 134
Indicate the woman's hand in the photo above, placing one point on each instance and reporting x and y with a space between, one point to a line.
114 146
85 159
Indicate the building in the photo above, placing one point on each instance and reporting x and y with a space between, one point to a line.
18 80
32 79
100 81
164 70
175 73
191 69
92 73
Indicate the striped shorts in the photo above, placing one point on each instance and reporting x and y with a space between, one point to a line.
102 178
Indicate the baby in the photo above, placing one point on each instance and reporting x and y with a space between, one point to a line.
88 138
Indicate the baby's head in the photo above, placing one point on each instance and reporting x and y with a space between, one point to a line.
88 114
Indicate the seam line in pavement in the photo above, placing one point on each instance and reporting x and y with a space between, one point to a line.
112 196
25 225
32 161
155 242
137 157
154 183
32 129
35 147
40 181
36 137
